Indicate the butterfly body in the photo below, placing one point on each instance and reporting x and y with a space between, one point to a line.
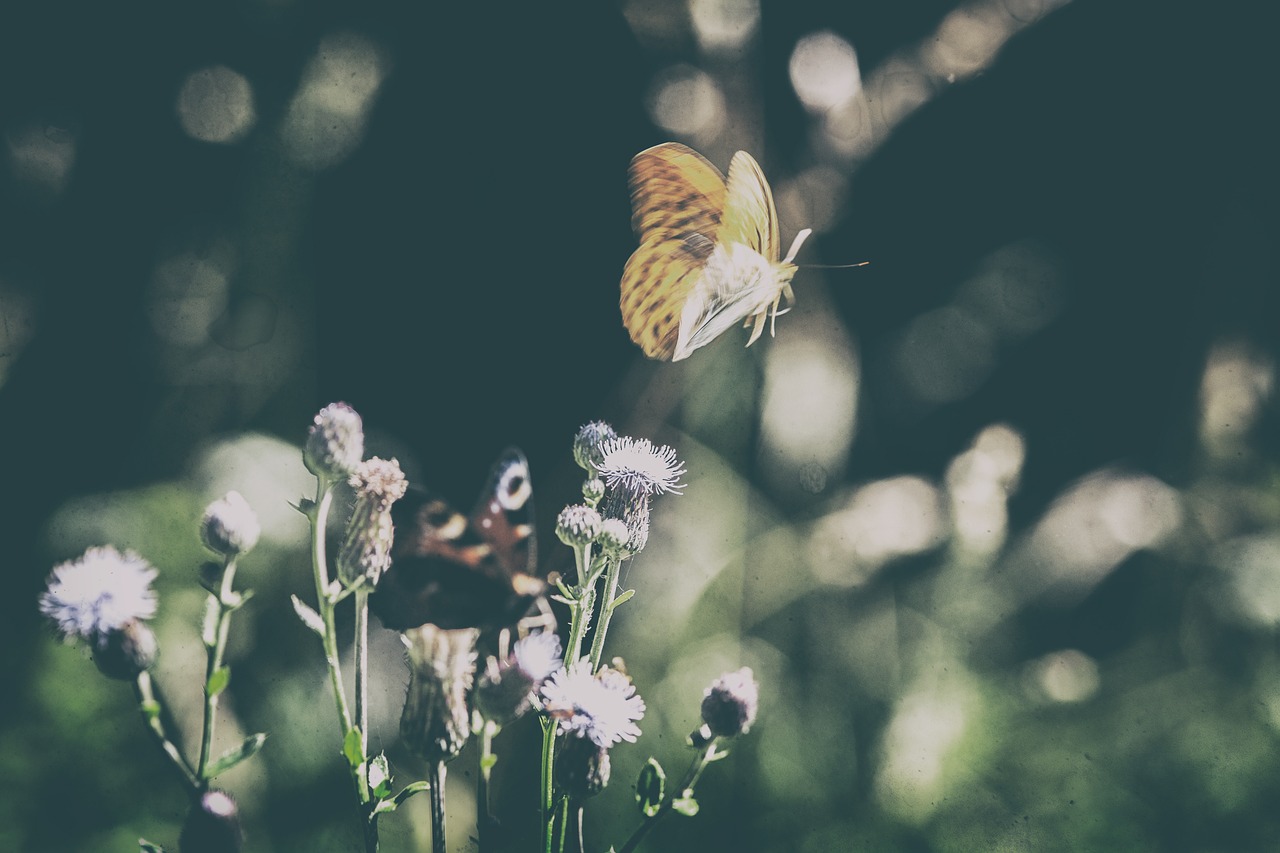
458 571
709 251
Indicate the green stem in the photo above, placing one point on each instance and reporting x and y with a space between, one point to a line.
319 518
564 822
149 706
548 761
606 611
362 719
685 790
485 824
215 655
436 777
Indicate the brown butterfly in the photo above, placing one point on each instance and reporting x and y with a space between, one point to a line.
708 255
458 572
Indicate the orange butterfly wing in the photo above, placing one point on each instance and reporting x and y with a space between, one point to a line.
677 199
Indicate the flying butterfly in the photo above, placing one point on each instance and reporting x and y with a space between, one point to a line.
456 571
709 252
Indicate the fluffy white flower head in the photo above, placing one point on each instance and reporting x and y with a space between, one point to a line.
537 655
99 593
640 468
602 707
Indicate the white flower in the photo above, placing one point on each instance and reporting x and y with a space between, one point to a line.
537 655
602 707
641 468
99 593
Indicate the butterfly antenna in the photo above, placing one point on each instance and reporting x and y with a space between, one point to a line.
832 266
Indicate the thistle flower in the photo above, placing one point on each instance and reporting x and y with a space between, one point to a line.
729 704
638 467
632 509
602 708
434 722
335 442
506 685
366 548
99 593
578 525
589 442
229 526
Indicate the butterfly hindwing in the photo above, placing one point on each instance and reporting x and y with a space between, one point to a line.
460 572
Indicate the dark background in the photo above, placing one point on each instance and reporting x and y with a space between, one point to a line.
454 279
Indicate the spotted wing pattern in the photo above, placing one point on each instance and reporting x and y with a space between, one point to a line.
456 571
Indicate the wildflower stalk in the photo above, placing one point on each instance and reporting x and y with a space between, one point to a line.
226 602
362 715
318 515
151 710
612 566
580 611
436 777
484 820
683 792
548 763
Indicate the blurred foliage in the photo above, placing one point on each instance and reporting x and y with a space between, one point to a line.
995 520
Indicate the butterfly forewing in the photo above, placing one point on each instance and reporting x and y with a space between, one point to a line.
749 216
460 572
677 198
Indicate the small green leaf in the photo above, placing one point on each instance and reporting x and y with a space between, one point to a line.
352 748
408 791
716 754
232 757
218 681
651 787
622 598
145 846
309 617
209 625
379 777
488 761
685 805
150 709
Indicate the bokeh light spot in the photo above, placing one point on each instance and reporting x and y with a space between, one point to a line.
326 119
216 105
945 355
41 156
824 71
724 25
687 102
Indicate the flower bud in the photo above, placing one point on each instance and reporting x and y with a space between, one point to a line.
577 525
729 704
126 652
335 442
230 527
593 491
435 722
614 536
588 445
582 768
366 548
212 825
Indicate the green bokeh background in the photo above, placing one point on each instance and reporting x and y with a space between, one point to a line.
1019 593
